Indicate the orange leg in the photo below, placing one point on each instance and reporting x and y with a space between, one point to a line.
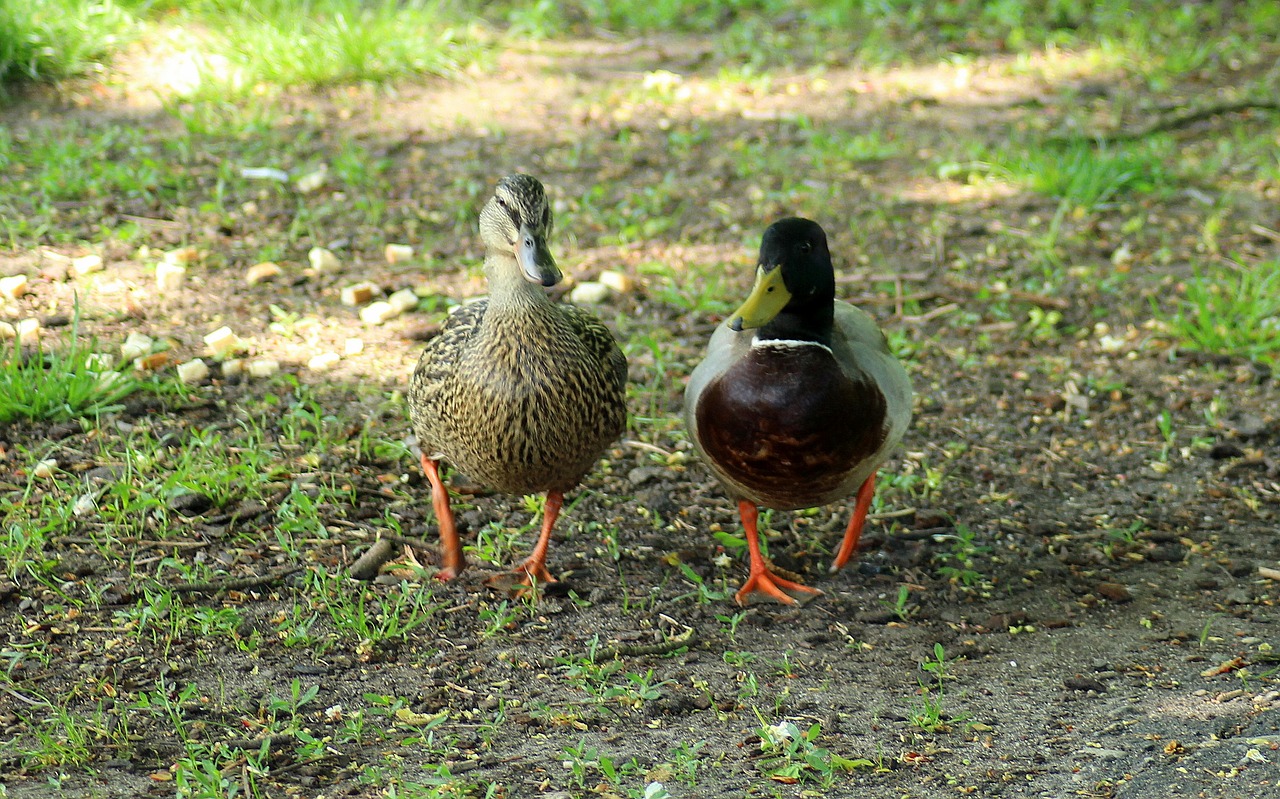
761 580
533 571
851 535
451 559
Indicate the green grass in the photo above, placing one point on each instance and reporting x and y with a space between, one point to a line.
65 379
47 40
1083 175
1230 310
240 44
329 42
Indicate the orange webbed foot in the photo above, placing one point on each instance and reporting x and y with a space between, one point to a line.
778 588
532 573
762 579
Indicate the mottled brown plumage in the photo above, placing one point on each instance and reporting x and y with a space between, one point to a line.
800 412
517 392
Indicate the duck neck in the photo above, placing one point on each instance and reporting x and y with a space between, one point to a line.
508 289
809 324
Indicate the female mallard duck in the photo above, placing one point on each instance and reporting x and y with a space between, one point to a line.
800 412
517 392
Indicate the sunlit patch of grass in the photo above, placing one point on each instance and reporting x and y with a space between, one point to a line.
1082 174
330 42
42 40
1231 310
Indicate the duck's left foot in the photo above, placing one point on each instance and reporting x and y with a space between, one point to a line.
529 576
767 583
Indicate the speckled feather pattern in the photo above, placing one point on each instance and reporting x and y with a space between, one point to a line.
524 399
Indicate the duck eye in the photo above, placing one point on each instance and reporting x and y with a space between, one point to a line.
502 202
806 246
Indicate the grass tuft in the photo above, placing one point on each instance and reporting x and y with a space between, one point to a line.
1232 310
47 40
59 383
329 42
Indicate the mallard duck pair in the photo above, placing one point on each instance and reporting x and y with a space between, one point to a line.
524 395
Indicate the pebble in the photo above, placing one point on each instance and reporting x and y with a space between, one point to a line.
403 301
1115 592
353 346
13 287
324 361
396 253
313 180
1079 683
135 346
644 474
28 331
359 293
1168 553
45 468
1249 425
169 277
87 264
590 293
263 367
223 342
377 313
260 273
618 281
194 371
7 331
323 260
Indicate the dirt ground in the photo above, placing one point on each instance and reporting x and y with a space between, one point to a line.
1115 637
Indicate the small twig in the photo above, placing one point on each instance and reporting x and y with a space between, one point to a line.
173 544
1043 300
367 565
218 586
689 638
254 744
1266 232
889 277
149 220
24 697
371 531
890 514
630 442
1190 117
932 314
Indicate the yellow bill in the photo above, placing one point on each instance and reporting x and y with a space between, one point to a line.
767 299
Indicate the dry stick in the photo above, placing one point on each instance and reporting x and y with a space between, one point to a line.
1043 300
1195 115
1181 120
415 543
689 638
218 586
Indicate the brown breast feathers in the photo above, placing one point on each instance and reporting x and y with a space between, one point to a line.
787 425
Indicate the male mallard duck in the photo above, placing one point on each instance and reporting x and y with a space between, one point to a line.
800 412
517 392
